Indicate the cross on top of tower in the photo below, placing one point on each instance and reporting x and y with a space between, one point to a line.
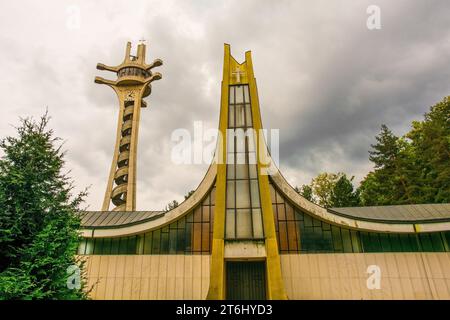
238 74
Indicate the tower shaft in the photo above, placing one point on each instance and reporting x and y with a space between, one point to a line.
132 85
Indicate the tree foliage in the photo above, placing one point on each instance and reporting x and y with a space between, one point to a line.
39 225
331 190
412 169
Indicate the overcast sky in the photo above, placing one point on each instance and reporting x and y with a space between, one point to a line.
324 79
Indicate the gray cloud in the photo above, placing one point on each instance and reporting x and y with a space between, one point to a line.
324 79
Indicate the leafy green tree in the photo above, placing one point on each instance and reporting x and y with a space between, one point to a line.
171 205
190 193
323 186
430 143
343 193
306 191
391 181
39 225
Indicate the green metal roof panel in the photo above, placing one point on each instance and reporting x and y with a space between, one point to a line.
398 213
114 219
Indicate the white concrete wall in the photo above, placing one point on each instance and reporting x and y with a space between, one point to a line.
148 276
344 276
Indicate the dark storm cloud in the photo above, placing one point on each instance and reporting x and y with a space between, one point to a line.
324 79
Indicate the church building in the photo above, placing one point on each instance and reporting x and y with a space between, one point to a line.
245 233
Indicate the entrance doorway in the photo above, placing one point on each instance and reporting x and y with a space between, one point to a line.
246 280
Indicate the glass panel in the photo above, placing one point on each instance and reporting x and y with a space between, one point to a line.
327 244
148 243
198 214
395 243
156 242
281 213
317 223
131 246
283 236
230 158
275 214
246 95
242 194
231 94
188 237
206 200
107 246
437 241
336 238
385 243
240 140
240 158
254 190
173 241
307 219
346 240
272 190
141 243
205 213
89 246
251 140
82 246
404 240
230 194
258 231
289 212
181 223
205 237
98 246
292 236
189 217
213 195
413 242
280 198
231 116
239 94
229 228
197 243
355 241
248 115
252 158
243 223
212 217
252 169
425 242
181 240
240 115
230 143
241 171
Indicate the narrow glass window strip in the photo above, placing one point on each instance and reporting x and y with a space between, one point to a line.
258 230
230 224
231 97
231 117
242 194
248 116
244 224
240 116
230 171
254 193
239 94
246 94
230 194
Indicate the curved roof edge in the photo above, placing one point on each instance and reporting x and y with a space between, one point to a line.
342 217
143 223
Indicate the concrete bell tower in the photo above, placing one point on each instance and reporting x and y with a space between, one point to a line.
133 83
